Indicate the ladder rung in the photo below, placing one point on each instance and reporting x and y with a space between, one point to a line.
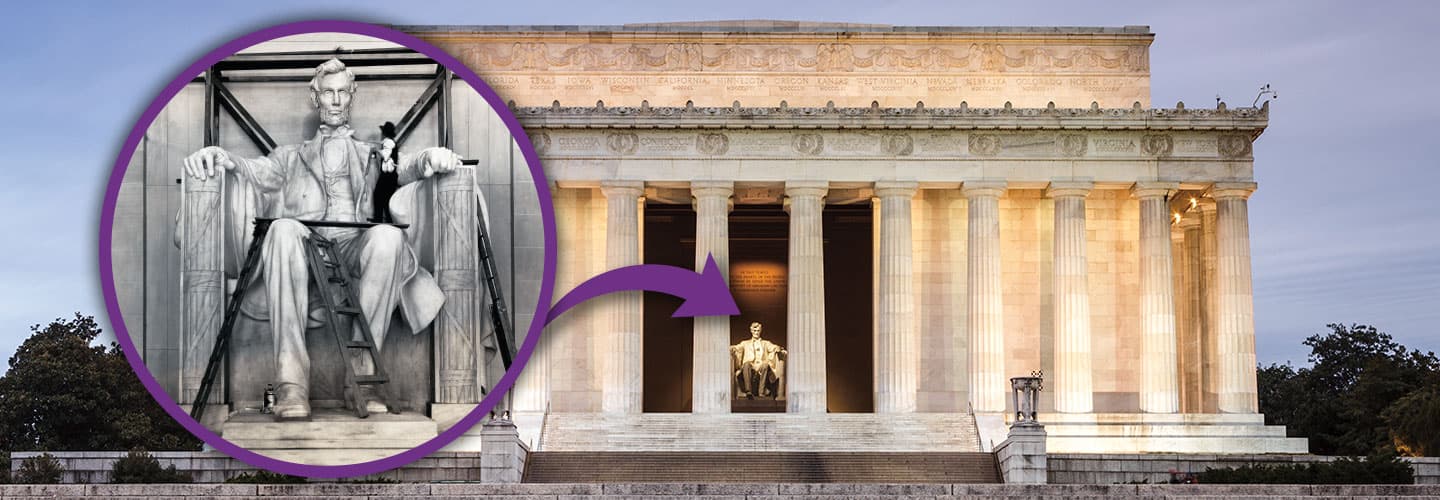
370 379
338 280
347 310
359 344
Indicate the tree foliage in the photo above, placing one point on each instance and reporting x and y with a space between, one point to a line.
1414 423
139 467
64 394
42 469
1384 469
1340 402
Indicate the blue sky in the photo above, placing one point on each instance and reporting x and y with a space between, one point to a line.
1344 226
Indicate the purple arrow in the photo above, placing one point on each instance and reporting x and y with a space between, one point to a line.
705 293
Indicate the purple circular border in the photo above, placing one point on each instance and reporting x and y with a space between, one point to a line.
107 278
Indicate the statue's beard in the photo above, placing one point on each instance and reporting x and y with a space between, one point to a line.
335 118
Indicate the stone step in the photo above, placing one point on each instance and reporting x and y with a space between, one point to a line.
1177 444
768 432
1151 418
332 436
752 467
1166 430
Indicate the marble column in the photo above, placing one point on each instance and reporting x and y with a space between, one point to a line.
988 384
622 370
805 307
1159 376
1191 344
711 366
896 360
1072 379
1209 318
1235 299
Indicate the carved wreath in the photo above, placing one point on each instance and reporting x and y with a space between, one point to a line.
1073 144
712 144
897 144
622 143
810 144
1157 145
1234 146
984 145
540 141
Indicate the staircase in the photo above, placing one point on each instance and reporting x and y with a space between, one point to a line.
744 432
760 448
760 467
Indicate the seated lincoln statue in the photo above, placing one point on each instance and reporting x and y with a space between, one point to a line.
759 367
330 177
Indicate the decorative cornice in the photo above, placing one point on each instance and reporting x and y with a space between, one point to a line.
1252 120
824 56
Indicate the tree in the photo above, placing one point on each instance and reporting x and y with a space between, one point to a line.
1414 423
1339 402
63 394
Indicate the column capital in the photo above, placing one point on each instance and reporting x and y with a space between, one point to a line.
1225 190
1153 189
626 189
1065 189
885 189
983 189
807 188
712 188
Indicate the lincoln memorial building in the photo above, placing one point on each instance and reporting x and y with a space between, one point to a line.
913 215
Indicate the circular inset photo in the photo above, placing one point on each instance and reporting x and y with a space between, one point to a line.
325 249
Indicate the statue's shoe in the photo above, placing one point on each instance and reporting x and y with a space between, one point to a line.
373 402
292 402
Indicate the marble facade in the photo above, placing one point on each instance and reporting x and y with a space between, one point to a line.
1032 212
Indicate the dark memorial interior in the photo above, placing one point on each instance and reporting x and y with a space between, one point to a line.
759 252
668 342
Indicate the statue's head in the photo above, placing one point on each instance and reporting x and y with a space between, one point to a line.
331 91
755 330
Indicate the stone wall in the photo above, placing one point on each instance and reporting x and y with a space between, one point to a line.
753 491
1155 468
806 63
93 467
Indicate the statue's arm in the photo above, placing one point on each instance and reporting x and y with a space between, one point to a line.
266 173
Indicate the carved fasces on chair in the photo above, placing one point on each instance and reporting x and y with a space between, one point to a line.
460 325
201 236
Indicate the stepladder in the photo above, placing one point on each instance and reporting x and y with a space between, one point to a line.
340 301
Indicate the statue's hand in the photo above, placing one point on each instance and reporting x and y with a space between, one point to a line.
438 160
207 162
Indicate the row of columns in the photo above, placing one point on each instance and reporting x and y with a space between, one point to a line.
896 356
